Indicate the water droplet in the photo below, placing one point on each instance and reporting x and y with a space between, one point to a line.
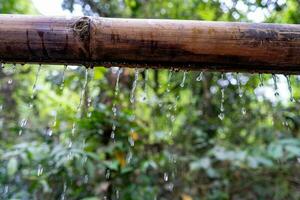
169 81
107 174
117 194
89 99
183 79
83 91
23 124
40 170
6 189
117 88
13 69
275 84
166 177
49 132
89 103
290 88
84 159
221 115
239 85
73 128
63 195
35 81
86 179
112 135
114 108
134 85
145 96
62 83
261 80
200 77
131 141
240 92
70 144
244 111
129 157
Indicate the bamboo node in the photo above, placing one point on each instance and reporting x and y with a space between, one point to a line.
82 28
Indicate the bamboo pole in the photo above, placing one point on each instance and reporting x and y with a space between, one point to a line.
179 44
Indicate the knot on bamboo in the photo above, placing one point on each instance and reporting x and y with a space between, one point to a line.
82 28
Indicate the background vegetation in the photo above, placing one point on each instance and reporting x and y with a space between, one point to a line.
170 143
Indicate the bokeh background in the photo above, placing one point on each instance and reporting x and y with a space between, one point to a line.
170 143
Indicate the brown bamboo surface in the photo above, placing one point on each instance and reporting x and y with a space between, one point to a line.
153 43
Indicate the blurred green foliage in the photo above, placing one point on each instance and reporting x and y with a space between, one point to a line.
169 144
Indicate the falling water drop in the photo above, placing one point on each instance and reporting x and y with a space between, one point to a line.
86 179
61 87
70 144
261 80
166 177
83 89
81 100
244 111
89 103
130 138
183 79
145 96
62 83
114 108
84 160
117 194
89 99
290 88
117 87
221 115
275 84
73 128
239 85
13 69
49 132
34 88
169 81
132 93
40 170
129 156
107 174
22 125
35 81
63 195
240 91
6 188
200 77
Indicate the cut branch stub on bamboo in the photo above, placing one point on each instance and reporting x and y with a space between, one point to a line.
180 44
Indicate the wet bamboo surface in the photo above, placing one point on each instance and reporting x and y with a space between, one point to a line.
177 44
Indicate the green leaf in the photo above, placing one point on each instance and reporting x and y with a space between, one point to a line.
293 150
113 165
90 198
200 164
12 166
